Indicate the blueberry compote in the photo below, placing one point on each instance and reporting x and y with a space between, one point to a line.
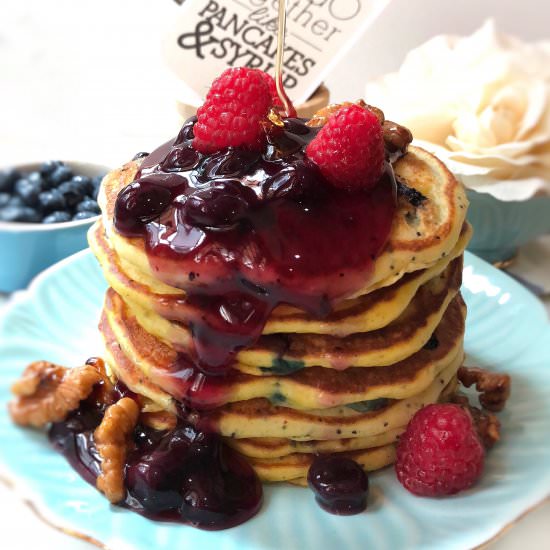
181 475
340 484
243 231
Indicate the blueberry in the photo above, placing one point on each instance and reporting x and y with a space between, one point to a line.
4 199
8 179
36 179
83 215
155 488
230 163
52 200
139 203
19 214
57 217
28 191
205 447
221 205
16 200
49 166
84 183
293 181
60 174
340 484
180 158
186 133
72 193
88 205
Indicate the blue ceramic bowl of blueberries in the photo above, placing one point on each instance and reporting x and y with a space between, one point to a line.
45 211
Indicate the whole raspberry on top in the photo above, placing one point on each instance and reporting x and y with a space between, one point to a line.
440 452
349 149
231 116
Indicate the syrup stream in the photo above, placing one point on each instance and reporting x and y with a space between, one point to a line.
287 104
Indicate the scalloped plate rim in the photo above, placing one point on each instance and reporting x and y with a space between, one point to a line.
20 485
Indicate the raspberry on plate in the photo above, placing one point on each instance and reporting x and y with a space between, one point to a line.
232 114
349 149
440 452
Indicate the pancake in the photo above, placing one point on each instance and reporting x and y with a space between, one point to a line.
270 447
366 313
145 364
294 466
282 354
129 373
421 235
260 418
406 335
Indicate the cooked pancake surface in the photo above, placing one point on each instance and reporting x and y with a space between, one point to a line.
287 468
259 418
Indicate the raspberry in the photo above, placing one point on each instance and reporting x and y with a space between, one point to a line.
349 149
440 452
233 111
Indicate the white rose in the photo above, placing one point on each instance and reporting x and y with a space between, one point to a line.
482 103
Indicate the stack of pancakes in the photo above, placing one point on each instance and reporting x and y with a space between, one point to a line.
349 382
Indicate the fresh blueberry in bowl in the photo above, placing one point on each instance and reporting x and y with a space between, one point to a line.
60 174
50 201
7 179
88 205
24 214
28 191
4 199
58 216
83 215
46 209
72 192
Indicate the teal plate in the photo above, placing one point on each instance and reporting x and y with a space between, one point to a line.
507 330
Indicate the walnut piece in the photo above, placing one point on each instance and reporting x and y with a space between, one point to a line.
493 388
48 392
112 440
396 137
486 423
321 117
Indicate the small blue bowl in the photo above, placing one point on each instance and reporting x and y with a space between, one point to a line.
501 227
26 249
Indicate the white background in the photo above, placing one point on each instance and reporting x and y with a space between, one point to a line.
83 80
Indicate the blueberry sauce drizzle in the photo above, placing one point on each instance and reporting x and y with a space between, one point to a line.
340 485
244 231
182 475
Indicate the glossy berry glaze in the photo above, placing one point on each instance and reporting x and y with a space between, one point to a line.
182 475
243 231
340 484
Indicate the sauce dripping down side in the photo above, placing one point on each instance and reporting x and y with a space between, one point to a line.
183 475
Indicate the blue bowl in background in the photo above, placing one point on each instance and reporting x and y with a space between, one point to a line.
501 227
28 248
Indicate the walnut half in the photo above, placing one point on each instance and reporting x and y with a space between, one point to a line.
486 423
48 392
112 439
493 387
